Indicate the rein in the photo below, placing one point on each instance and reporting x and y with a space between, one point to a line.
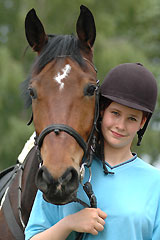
16 230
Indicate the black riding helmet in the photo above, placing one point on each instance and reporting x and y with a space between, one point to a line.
132 85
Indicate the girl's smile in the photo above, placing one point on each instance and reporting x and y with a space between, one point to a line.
116 134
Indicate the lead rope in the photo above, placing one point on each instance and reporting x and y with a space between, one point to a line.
93 203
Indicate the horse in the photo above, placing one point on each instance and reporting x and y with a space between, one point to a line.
62 89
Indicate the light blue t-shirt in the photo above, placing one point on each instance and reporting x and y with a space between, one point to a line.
130 197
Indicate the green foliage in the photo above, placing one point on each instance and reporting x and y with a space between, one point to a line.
149 146
13 129
127 31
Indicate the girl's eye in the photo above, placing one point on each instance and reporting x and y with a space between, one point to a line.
115 113
133 119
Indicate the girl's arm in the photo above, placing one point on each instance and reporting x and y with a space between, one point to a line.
88 220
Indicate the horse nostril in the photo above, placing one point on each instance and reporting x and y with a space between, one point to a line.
70 177
43 179
67 178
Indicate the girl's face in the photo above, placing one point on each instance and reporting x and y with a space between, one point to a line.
120 125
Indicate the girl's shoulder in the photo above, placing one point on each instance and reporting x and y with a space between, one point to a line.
148 168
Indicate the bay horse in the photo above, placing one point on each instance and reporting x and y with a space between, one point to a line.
63 91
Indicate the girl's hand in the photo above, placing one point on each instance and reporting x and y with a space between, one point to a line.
89 220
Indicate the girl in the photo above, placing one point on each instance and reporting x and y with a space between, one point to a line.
127 191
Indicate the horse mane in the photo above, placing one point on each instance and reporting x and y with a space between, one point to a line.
57 46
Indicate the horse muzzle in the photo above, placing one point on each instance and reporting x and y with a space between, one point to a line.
58 191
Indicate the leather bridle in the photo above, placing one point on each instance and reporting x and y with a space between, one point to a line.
57 128
89 146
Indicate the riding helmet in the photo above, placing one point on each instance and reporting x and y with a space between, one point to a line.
132 85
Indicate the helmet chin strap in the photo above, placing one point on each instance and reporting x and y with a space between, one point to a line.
141 132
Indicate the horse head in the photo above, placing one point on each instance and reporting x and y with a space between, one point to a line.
62 90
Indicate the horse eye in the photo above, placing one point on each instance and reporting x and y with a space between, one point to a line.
32 92
89 90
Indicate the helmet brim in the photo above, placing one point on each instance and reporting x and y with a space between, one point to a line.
127 103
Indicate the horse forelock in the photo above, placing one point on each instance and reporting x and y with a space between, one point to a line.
57 46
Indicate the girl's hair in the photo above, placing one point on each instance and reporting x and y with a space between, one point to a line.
145 114
104 103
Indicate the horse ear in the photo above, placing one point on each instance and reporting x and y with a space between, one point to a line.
35 32
86 29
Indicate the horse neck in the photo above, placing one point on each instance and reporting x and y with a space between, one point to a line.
29 188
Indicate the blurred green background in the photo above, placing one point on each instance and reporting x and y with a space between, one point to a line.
127 31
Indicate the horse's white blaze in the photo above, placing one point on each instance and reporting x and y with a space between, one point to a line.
59 77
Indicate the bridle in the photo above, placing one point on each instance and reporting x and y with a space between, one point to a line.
88 147
57 128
